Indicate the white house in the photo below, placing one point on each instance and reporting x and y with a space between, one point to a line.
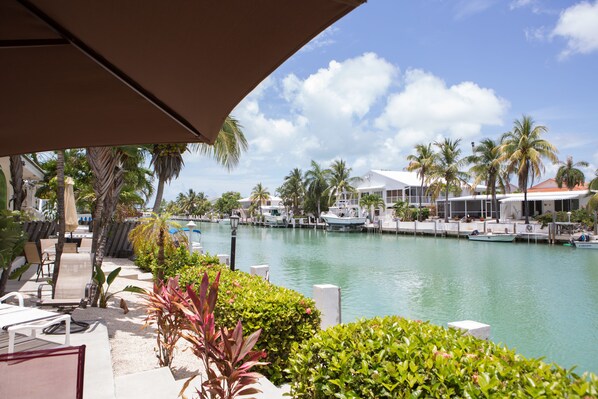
393 185
542 198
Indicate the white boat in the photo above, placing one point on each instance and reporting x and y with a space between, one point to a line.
493 237
585 241
586 244
224 221
275 216
342 221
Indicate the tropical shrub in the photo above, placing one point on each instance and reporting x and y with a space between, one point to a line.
164 311
581 216
103 284
414 212
175 259
284 316
226 355
12 241
392 357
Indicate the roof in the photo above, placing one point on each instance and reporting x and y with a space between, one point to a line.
550 185
407 178
545 196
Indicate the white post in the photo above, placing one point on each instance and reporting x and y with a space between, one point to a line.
473 328
260 270
224 259
328 301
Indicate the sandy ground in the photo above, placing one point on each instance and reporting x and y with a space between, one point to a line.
132 345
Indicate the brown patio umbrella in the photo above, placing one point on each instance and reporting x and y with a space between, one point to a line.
112 72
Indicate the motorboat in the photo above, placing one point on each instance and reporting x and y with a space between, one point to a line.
492 237
585 241
343 220
275 216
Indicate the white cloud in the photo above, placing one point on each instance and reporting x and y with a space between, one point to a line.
324 39
467 8
579 26
426 109
361 110
521 3
536 34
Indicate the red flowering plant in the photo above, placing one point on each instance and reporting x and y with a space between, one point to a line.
226 355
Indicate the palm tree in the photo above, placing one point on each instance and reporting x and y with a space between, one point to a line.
259 195
16 180
293 189
340 182
167 159
486 160
400 209
569 173
422 162
371 202
154 232
447 168
316 180
523 150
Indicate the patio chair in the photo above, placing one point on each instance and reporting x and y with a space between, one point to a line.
48 246
34 257
47 373
85 245
17 295
69 248
73 288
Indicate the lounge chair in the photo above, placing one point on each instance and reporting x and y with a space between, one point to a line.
69 248
47 373
34 257
73 286
85 245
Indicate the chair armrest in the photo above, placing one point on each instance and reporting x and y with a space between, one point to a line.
34 327
15 294
40 288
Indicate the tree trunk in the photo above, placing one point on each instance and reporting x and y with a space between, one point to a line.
161 256
495 202
526 205
61 218
159 195
421 193
16 181
446 194
105 164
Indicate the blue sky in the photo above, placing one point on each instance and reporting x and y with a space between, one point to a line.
395 73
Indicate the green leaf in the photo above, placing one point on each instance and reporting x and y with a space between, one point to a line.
113 274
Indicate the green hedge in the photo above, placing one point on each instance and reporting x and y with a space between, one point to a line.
393 357
285 316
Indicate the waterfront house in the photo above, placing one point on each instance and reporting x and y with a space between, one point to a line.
393 185
32 174
544 197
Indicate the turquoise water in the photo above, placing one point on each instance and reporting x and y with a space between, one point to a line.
540 300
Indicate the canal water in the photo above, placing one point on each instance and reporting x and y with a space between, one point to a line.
540 300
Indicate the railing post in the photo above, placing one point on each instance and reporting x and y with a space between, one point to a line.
328 301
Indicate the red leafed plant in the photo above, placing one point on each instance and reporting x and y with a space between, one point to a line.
226 355
164 306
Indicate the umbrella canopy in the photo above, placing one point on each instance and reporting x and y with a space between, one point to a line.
71 222
111 72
